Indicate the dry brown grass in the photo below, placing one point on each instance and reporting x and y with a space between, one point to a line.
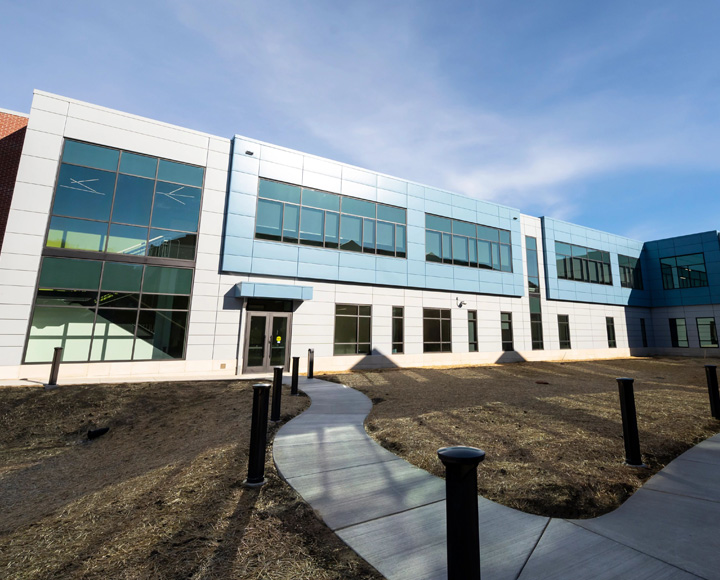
158 497
552 449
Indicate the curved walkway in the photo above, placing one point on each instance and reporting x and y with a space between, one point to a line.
393 514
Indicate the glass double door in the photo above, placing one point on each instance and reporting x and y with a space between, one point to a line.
267 342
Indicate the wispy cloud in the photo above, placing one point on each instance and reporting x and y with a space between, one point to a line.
367 86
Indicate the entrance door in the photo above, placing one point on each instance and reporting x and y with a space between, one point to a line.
266 341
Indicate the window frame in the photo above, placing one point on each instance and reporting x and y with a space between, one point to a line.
674 334
610 330
567 343
357 318
579 268
671 273
473 345
712 331
401 321
507 345
443 314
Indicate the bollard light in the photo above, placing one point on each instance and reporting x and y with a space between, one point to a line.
311 362
463 532
277 393
712 383
629 421
295 371
55 368
258 436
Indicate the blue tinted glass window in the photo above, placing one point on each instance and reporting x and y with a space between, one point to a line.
460 251
290 223
279 191
77 234
332 223
369 235
133 200
495 256
180 173
358 207
391 214
351 233
130 240
434 222
463 229
504 236
166 244
320 199
484 254
177 207
400 240
506 263
84 192
433 246
385 238
531 243
486 233
90 155
447 247
269 219
562 248
138 165
311 225
472 251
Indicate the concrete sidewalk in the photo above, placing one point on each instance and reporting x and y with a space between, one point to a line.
393 514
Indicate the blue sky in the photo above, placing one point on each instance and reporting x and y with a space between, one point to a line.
605 114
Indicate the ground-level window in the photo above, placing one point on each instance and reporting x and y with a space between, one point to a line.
506 330
472 331
564 331
610 327
643 333
707 332
398 331
678 333
352 329
437 330
109 311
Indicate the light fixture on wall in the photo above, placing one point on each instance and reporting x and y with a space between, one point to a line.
249 153
460 304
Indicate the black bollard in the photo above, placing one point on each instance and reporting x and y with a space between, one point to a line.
629 421
295 370
712 382
277 393
55 367
463 534
311 362
258 436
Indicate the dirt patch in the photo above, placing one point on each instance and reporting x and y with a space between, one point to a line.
159 496
552 431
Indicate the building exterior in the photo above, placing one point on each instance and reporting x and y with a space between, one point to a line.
143 248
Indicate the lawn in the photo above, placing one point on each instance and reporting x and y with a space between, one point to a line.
552 431
160 496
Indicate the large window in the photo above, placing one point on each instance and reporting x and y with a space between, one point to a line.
630 272
472 331
678 333
582 264
564 331
684 271
506 331
294 214
109 311
114 201
610 328
536 331
465 244
398 330
437 330
352 329
707 332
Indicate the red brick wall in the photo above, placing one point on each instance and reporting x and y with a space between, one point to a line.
12 135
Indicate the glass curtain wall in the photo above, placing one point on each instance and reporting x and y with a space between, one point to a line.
582 264
460 243
293 214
